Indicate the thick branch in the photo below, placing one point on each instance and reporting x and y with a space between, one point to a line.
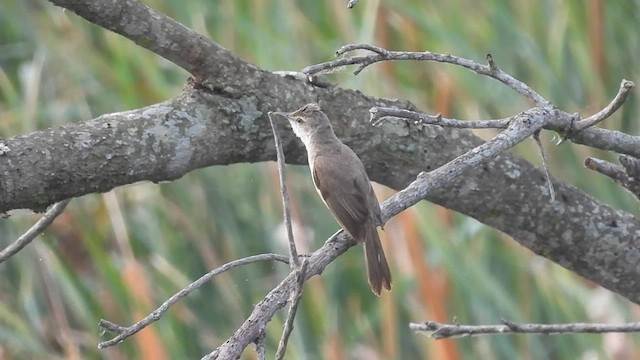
164 36
380 55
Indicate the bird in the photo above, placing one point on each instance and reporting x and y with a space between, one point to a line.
343 185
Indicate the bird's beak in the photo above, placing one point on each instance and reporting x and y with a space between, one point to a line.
283 114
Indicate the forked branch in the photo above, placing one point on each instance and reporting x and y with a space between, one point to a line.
380 54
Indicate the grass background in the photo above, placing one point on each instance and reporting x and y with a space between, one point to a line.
119 255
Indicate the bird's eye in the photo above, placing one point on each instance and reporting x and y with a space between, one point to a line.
299 120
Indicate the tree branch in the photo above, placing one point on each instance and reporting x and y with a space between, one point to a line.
446 331
380 54
626 175
33 231
126 331
625 89
380 113
291 315
162 35
520 127
277 299
294 261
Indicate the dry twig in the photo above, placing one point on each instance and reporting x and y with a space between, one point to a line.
379 113
126 331
261 346
626 174
293 252
293 308
552 192
446 331
380 54
37 228
625 89
298 268
579 132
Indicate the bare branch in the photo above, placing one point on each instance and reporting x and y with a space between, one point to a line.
35 230
563 123
125 332
295 300
162 35
298 268
261 346
278 297
552 192
445 331
626 175
625 89
294 261
605 139
616 172
352 47
378 113
520 128
381 54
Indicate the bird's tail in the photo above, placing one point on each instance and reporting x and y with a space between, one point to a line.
377 267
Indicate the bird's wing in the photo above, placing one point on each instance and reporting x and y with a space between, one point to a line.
351 204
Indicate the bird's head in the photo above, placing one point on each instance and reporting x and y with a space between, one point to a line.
308 121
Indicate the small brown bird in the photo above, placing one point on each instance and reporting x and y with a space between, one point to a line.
343 185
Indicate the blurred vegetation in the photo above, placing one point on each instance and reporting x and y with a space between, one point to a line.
118 255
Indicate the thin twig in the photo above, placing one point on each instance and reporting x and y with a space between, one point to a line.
625 89
378 113
445 331
300 269
37 228
261 346
614 171
125 332
552 192
295 300
293 252
380 54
